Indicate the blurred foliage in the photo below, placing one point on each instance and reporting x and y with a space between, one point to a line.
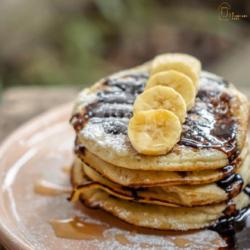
63 42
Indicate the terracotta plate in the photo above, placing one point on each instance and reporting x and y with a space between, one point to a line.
40 150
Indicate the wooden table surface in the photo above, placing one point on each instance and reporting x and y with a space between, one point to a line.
18 105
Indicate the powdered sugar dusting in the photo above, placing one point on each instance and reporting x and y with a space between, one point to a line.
111 106
95 132
116 110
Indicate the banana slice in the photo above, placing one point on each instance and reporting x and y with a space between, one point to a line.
154 132
194 62
161 97
179 62
176 80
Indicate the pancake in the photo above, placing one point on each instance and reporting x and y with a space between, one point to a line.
159 217
203 181
156 216
141 178
182 195
213 134
77 174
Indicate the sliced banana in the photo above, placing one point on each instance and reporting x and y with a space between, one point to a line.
154 132
161 97
179 57
179 62
194 62
176 80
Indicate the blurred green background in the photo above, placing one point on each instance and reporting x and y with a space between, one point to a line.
50 49
61 42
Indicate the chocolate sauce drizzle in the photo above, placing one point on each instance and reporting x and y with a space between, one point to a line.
79 149
232 226
134 191
228 169
121 91
210 124
231 184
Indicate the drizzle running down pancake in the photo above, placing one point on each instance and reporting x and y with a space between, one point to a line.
202 182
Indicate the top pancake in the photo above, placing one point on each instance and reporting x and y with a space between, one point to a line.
213 134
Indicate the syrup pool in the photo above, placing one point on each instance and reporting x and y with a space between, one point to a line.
45 187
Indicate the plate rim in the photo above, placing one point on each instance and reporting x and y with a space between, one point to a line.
8 238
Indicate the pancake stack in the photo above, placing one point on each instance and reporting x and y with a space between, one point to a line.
202 182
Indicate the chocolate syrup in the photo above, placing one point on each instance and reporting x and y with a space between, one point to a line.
121 91
247 190
79 120
228 170
79 149
134 191
132 84
115 97
231 184
232 226
183 174
210 124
